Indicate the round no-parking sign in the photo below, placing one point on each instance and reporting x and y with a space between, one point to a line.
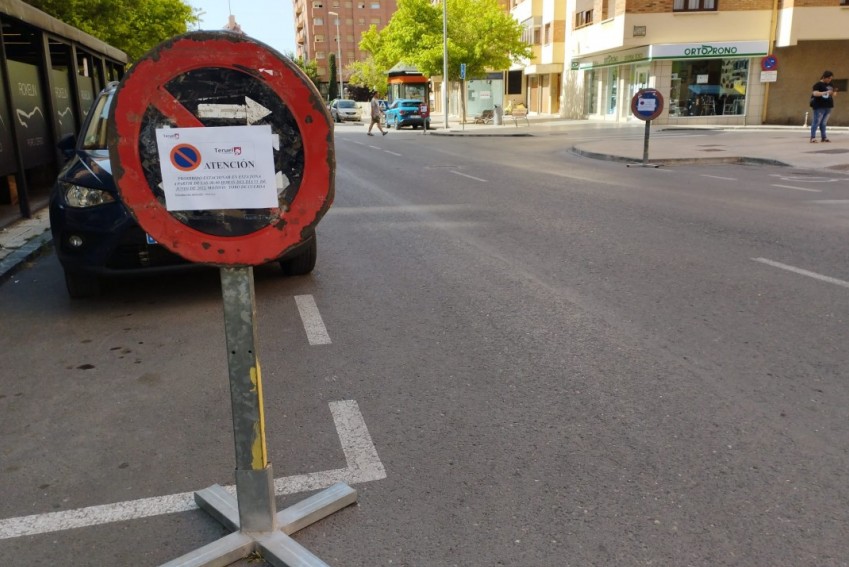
647 104
222 149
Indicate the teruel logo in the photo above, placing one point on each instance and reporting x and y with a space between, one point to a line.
185 157
235 150
174 136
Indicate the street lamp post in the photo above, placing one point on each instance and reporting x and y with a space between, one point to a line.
445 61
338 53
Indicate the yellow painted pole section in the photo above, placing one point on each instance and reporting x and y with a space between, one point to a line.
259 452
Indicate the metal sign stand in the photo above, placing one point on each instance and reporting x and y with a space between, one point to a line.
646 104
253 510
645 150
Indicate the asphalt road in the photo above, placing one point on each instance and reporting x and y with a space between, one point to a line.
559 361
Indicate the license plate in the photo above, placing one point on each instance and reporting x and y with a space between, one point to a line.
150 239
415 116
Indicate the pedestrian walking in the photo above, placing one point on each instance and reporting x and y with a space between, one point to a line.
822 101
376 114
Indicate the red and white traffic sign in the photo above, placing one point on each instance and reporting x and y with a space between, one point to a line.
220 80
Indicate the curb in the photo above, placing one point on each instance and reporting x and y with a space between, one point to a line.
680 161
32 249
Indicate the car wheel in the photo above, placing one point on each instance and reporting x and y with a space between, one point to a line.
397 125
82 285
303 263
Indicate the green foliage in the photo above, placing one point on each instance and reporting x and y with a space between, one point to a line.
333 81
133 26
480 34
310 68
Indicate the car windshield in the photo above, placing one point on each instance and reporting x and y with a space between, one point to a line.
347 104
95 134
410 103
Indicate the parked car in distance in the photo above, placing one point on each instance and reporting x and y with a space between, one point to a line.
344 109
94 234
405 112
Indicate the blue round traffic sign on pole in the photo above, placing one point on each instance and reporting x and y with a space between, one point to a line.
647 104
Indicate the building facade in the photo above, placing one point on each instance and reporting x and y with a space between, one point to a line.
708 58
324 27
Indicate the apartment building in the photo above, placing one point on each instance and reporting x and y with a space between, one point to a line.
541 78
707 57
323 27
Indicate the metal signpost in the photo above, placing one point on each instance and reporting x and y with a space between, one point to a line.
646 104
223 151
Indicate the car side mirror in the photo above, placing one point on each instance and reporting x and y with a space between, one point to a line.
67 144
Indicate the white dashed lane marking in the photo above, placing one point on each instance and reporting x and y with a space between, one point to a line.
469 176
313 325
798 188
802 272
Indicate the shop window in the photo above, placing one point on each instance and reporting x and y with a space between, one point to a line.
514 82
708 87
694 5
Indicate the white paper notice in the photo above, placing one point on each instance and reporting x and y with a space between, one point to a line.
229 167
646 104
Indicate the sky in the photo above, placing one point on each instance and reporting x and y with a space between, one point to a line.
270 21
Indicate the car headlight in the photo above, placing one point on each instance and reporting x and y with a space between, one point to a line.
82 197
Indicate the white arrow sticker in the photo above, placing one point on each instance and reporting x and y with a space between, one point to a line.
251 111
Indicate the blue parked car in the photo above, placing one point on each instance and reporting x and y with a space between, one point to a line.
405 112
94 234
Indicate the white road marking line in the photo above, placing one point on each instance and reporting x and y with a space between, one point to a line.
832 202
313 325
363 465
800 271
469 176
718 177
375 147
360 452
393 153
798 188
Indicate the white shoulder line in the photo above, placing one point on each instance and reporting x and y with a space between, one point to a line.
363 465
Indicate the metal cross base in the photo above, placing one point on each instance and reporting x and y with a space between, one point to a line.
654 165
276 546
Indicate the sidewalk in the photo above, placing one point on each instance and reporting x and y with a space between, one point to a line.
773 145
22 241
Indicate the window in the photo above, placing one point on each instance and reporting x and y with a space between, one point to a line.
319 54
361 5
318 21
694 5
608 9
376 21
319 39
584 18
531 31
317 5
375 5
547 34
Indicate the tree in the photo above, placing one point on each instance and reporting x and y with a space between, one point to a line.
480 34
332 84
133 26
310 68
